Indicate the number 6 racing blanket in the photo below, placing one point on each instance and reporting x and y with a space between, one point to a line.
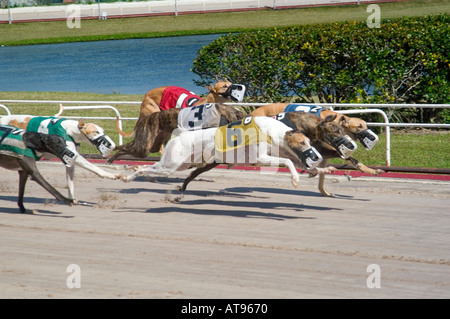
238 142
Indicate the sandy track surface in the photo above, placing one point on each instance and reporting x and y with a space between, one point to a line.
234 234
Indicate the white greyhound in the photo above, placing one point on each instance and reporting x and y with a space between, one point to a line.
275 144
74 132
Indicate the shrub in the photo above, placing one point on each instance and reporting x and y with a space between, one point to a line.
405 61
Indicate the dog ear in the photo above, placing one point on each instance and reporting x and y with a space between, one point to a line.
330 118
81 123
210 87
342 120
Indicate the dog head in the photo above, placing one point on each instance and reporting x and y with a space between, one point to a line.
96 135
358 128
334 135
228 90
300 144
49 143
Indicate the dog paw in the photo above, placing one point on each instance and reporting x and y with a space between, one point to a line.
377 172
330 169
295 181
124 178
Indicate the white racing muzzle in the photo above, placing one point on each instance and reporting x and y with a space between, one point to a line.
236 92
345 146
104 144
309 157
367 138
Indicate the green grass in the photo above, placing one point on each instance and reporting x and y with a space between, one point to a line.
423 148
158 26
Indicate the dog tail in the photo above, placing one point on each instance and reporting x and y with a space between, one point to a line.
120 130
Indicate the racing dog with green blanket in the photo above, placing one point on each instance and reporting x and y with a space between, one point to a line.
19 151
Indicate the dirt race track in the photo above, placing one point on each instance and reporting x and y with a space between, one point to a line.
234 234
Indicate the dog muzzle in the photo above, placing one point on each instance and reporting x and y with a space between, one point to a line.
345 146
367 138
104 144
235 92
309 157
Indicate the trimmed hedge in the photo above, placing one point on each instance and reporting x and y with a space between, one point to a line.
405 61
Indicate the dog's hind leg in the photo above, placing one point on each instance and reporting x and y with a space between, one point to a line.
194 174
30 168
23 177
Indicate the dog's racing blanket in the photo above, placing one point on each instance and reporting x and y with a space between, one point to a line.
176 97
198 117
238 142
49 125
11 143
313 109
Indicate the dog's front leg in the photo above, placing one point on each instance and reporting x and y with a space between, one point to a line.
70 172
363 168
82 162
277 161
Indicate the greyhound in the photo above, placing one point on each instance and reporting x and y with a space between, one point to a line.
19 151
262 141
168 97
356 128
324 134
160 126
74 132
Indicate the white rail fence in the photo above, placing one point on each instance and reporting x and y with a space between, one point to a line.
102 10
365 108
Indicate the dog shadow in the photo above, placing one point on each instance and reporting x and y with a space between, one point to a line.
33 211
223 212
293 192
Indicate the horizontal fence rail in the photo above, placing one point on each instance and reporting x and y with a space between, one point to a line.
103 10
356 109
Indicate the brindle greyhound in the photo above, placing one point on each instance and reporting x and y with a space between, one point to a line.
324 135
356 128
20 155
159 128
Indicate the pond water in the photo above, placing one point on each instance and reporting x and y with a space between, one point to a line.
131 66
